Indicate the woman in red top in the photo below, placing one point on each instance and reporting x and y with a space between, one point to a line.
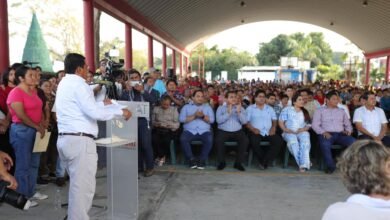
25 108
320 97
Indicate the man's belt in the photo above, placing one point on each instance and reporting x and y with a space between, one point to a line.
77 134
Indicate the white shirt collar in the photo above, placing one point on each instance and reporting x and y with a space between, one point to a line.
368 201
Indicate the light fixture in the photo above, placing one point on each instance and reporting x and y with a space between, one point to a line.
242 21
365 3
242 4
331 23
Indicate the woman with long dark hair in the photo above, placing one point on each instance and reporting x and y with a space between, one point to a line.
295 123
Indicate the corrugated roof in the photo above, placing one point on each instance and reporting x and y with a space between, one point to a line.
190 21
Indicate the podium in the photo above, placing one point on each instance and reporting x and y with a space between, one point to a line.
121 141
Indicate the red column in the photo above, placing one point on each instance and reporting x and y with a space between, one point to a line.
164 59
89 34
174 60
387 69
367 71
181 64
128 47
186 66
4 39
150 51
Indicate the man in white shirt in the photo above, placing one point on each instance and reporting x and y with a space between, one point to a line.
371 121
77 115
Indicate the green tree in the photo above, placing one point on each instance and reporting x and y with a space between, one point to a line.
329 72
270 53
311 47
217 60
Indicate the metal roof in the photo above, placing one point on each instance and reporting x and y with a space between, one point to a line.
191 21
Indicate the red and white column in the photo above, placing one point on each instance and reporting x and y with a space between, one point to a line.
164 59
150 51
368 71
89 34
128 46
4 38
174 60
387 73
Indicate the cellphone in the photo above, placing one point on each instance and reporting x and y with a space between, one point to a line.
134 83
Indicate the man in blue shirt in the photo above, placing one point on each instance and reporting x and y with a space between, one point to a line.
196 117
262 124
230 118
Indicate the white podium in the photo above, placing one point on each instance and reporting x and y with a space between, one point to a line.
122 162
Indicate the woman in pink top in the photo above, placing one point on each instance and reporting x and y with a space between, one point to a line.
25 108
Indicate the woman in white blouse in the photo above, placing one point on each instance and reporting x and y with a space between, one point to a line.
295 122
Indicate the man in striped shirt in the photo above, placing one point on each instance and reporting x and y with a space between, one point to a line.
230 118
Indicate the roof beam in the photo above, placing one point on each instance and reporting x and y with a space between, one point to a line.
376 54
122 11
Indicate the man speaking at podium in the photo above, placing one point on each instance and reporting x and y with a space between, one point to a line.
77 115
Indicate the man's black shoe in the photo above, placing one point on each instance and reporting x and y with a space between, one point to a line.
193 164
60 181
201 165
42 181
329 170
221 166
239 167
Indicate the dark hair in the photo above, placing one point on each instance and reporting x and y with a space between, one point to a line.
331 93
169 81
210 86
230 92
270 94
58 72
16 65
366 94
5 78
43 81
258 92
73 61
21 72
38 68
305 112
165 98
303 90
196 91
134 71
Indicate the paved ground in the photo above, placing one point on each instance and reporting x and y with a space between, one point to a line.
183 194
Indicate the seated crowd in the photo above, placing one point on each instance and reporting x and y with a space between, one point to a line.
300 117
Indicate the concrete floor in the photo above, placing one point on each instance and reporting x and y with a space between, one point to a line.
184 194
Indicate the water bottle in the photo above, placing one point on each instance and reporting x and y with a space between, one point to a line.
57 200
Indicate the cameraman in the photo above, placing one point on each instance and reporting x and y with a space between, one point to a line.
136 91
5 164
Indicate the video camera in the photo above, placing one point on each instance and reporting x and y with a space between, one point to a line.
113 71
13 198
112 66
